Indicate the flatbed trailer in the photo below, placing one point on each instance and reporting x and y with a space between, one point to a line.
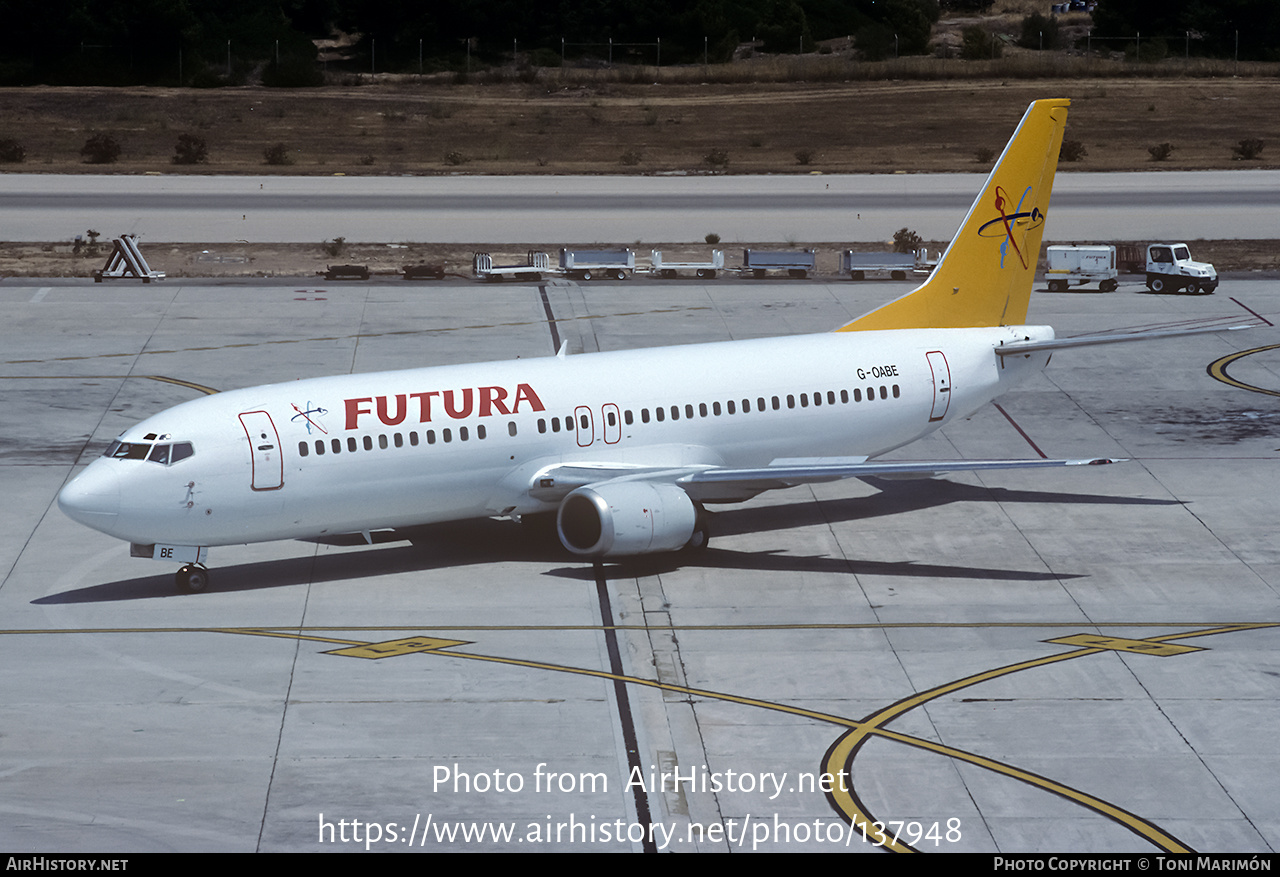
535 265
701 269
797 263
589 264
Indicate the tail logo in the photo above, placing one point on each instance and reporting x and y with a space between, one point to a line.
1006 221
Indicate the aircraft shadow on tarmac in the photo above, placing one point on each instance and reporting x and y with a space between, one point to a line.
474 543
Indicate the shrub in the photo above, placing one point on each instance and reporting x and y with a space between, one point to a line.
12 151
630 157
334 247
804 156
977 44
277 155
455 158
906 241
1072 150
1249 148
1161 152
1039 31
190 149
100 149
984 155
717 158
712 238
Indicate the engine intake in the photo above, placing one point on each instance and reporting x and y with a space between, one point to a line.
626 517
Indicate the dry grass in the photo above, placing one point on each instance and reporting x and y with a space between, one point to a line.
557 126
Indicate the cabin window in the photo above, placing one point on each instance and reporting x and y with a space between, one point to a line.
431 436
871 394
302 449
844 396
715 408
585 421
382 442
368 443
480 431
511 427
542 425
730 407
611 418
777 403
804 400
759 404
336 444
857 395
462 434
319 447
399 440
884 392
351 444
413 438
896 391
791 401
688 412
660 414
447 435
626 416
675 412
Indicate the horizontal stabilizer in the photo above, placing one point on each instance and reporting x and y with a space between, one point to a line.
1018 347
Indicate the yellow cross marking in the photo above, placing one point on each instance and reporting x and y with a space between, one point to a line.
1119 643
393 647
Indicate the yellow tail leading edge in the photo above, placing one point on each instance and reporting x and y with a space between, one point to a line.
985 276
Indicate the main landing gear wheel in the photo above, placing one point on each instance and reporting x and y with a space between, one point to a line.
701 536
192 579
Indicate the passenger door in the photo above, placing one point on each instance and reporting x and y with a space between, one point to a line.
264 449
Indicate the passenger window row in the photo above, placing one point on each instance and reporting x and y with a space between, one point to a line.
761 403
398 440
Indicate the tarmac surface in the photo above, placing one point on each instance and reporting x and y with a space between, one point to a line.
1014 661
555 211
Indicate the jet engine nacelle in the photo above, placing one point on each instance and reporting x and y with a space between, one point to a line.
626 517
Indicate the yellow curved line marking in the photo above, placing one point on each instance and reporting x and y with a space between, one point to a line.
841 754
1218 370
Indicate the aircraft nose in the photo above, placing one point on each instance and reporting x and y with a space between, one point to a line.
92 498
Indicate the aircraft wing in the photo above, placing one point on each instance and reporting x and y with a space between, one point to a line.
707 484
789 472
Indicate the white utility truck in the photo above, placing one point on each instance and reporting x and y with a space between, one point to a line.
1170 268
1080 265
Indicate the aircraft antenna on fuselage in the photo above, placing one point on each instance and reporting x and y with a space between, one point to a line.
985 276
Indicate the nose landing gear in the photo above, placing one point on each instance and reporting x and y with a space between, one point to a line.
192 578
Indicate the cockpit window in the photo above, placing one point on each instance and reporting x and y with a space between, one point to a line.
164 454
127 450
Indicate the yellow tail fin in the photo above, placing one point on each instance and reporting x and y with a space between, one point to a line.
984 278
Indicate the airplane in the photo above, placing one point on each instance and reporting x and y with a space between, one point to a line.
625 449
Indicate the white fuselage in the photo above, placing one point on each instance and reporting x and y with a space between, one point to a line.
361 452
